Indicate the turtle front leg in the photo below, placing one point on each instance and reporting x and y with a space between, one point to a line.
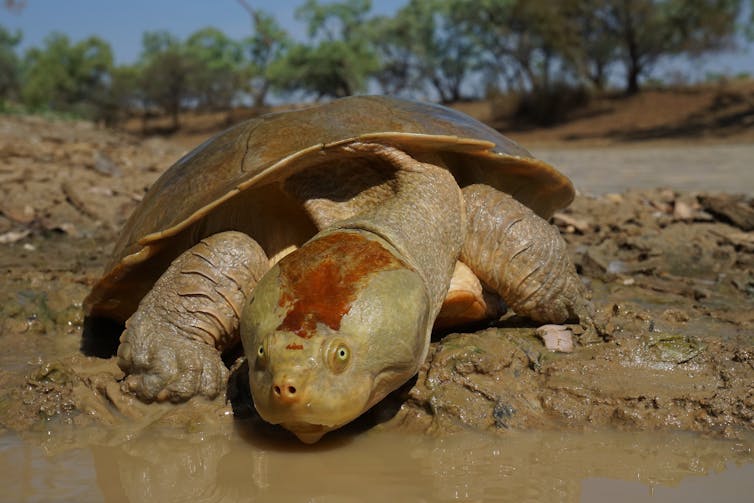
522 257
171 345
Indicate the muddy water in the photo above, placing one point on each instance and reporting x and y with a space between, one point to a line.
501 419
234 465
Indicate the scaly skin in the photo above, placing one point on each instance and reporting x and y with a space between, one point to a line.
171 345
522 257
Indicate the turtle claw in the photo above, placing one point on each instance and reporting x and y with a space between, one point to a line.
170 369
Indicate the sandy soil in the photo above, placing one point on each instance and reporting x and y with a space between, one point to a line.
713 113
671 273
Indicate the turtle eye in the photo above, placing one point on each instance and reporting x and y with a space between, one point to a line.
261 355
338 358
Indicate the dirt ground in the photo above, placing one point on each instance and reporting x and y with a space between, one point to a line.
711 113
671 274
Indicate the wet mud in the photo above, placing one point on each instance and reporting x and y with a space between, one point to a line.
672 279
671 276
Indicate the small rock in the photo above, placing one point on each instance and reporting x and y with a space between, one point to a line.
23 215
74 197
65 227
743 240
571 222
617 267
101 191
13 236
661 207
682 211
733 208
676 315
556 338
103 164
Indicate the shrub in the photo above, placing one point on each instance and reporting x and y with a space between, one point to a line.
552 106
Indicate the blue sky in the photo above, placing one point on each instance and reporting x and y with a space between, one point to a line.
122 23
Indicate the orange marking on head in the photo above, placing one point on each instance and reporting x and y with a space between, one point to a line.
321 280
294 346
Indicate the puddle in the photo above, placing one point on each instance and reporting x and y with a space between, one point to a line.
231 465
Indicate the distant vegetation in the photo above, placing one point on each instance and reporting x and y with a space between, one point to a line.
450 50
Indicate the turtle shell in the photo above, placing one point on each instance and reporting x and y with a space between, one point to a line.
233 181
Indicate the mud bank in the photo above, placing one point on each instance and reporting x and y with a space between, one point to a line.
671 274
671 278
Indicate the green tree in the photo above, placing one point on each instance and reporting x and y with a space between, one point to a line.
124 94
522 42
595 52
217 65
339 58
648 30
398 70
424 46
267 45
166 69
10 64
67 77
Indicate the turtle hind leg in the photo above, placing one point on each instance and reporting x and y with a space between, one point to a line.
467 302
523 258
171 345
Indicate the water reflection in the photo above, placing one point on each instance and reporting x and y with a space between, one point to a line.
233 465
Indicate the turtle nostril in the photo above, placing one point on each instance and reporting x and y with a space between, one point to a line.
285 392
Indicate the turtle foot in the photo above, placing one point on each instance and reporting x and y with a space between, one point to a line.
170 368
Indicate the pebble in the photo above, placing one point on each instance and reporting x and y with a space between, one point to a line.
557 338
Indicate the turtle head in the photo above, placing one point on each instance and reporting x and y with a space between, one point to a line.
330 330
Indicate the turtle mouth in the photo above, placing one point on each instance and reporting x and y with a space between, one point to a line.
306 432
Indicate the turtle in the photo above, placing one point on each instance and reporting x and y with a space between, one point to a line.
330 241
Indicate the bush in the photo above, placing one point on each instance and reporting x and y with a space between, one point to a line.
549 107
